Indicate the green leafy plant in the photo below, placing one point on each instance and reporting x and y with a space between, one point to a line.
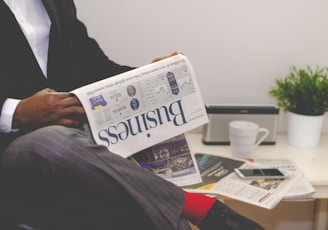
303 91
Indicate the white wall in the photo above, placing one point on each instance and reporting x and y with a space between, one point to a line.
237 47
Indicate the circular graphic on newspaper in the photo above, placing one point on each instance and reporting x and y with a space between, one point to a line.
131 89
134 104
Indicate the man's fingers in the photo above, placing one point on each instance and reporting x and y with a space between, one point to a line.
173 54
161 58
71 101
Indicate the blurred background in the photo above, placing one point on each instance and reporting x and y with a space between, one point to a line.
238 48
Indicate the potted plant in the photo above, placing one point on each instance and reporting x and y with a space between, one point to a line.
303 94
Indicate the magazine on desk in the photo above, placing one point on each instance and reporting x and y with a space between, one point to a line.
219 178
137 109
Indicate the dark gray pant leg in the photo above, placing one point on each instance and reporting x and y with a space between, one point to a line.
49 165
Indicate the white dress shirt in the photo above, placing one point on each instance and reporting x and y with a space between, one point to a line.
35 24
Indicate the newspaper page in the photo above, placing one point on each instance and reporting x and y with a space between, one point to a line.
142 107
172 160
219 178
302 189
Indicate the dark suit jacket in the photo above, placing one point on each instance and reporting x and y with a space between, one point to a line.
74 58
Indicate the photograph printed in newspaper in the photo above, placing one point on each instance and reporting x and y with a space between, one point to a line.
172 160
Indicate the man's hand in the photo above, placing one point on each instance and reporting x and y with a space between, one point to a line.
48 107
161 58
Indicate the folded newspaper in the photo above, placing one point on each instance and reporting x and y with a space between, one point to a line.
218 178
137 109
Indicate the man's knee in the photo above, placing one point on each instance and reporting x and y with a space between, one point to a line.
55 132
37 155
43 138
48 143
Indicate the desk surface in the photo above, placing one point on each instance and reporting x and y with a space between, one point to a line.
313 162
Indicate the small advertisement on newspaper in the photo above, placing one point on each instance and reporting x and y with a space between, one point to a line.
137 109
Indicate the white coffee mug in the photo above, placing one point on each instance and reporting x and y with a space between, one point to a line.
245 137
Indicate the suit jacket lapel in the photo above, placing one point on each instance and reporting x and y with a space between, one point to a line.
54 16
19 66
13 43
56 53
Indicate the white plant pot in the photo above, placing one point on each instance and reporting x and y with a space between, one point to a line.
304 130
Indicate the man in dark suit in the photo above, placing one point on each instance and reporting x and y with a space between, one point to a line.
52 175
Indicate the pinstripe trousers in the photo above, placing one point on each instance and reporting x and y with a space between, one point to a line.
57 178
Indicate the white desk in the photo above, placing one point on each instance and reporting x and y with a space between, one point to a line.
313 162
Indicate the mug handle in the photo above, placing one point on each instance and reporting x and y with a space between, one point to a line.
264 135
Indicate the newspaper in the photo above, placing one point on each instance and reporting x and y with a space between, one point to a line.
172 160
302 189
137 109
218 178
